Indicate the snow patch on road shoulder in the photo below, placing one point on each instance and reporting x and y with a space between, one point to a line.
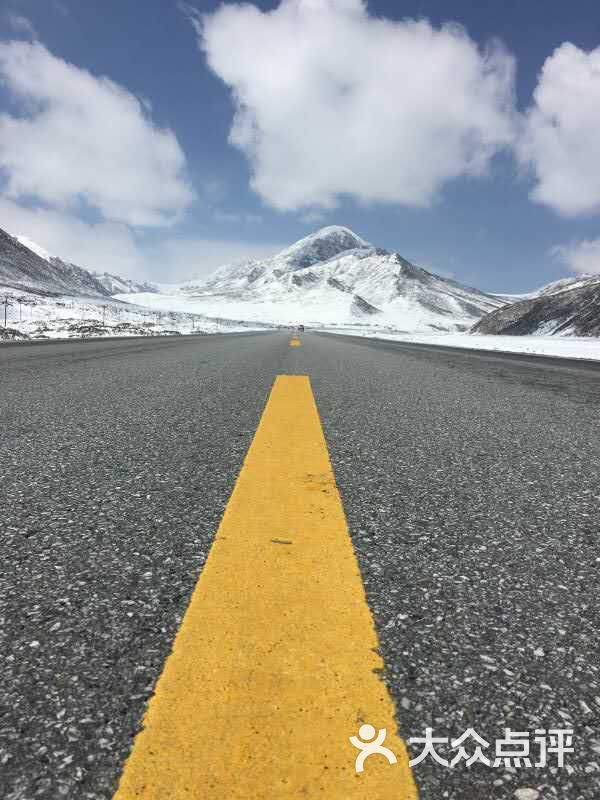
563 347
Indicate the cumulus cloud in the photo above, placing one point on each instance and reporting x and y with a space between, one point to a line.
331 101
193 257
113 247
581 257
561 140
102 246
21 24
80 139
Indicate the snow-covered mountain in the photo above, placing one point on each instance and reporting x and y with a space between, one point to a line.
568 307
30 268
249 274
34 247
25 265
333 276
114 284
574 282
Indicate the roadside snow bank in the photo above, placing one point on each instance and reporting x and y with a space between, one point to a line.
32 315
561 347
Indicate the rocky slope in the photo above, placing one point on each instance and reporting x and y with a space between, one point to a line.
556 310
114 284
25 270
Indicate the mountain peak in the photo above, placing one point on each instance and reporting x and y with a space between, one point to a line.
321 246
337 231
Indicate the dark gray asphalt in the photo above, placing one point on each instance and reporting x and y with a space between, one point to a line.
472 489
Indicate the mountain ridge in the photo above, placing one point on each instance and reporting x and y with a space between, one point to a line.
330 277
115 284
334 275
568 307
25 270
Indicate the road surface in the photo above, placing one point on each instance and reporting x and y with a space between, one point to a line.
470 484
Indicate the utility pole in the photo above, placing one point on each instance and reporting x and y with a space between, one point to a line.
6 303
20 301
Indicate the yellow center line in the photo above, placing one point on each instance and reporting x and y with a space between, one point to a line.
274 666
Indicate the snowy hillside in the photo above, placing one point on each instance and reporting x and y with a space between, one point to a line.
31 315
569 307
24 264
46 298
24 268
114 284
36 248
333 277
563 284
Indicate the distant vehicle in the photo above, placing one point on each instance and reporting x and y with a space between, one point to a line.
300 328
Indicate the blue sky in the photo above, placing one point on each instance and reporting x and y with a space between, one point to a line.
483 229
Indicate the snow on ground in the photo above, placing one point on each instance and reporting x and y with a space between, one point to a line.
562 347
35 316
316 307
277 313
42 317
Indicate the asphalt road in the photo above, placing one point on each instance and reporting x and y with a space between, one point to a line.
472 491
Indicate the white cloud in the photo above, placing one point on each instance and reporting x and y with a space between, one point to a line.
581 257
113 247
103 246
331 101
21 24
61 7
83 139
195 257
561 139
